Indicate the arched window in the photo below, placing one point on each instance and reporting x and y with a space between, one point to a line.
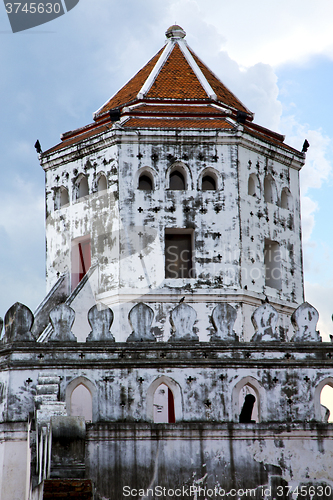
253 185
64 198
208 183
286 199
269 189
177 181
164 401
249 401
102 184
81 402
248 405
326 403
164 405
83 189
145 182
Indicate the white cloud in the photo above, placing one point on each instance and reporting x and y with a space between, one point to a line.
309 207
320 297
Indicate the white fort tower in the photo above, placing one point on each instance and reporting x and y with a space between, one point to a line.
174 351
173 191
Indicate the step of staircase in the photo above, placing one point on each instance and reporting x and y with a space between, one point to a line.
68 489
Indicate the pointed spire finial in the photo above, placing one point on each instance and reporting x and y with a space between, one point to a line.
175 31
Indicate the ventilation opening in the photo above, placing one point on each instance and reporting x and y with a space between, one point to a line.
272 258
81 260
248 404
81 403
208 183
164 405
326 402
145 183
102 184
177 181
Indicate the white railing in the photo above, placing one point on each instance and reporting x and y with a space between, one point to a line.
43 449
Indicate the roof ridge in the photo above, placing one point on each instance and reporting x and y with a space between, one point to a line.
156 69
194 55
197 71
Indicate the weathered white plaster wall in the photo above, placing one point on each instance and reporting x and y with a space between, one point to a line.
14 461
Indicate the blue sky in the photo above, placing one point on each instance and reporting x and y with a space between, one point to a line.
276 57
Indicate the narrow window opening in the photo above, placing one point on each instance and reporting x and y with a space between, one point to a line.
269 190
81 403
145 183
248 402
208 183
326 402
177 181
286 199
272 258
83 188
178 256
102 184
251 186
164 405
64 198
81 261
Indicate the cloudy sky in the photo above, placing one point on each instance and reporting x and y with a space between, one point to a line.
276 56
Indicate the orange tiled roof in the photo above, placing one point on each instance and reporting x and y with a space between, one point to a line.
175 110
204 123
175 89
130 90
223 94
79 137
176 80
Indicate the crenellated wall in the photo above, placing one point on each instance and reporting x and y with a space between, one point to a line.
119 446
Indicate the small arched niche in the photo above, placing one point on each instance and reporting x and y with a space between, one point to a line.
247 401
164 401
102 183
145 182
286 199
324 401
80 399
82 188
270 195
253 185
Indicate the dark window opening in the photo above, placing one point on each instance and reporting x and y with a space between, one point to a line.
145 183
81 261
246 413
208 183
177 181
178 256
